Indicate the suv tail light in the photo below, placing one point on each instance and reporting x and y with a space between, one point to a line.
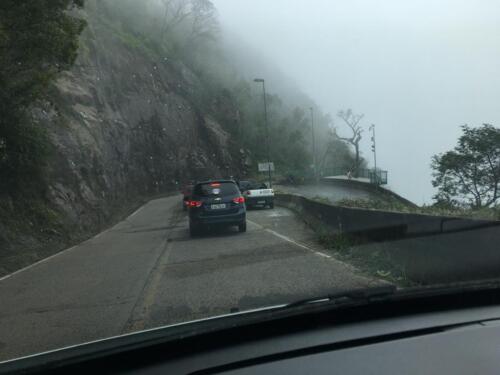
239 200
195 204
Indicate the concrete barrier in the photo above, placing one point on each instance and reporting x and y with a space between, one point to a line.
429 248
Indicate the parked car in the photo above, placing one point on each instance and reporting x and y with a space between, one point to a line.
216 203
257 194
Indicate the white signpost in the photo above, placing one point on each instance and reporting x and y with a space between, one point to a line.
264 167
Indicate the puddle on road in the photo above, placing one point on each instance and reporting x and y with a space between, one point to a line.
275 212
279 213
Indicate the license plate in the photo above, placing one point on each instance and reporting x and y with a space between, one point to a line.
261 202
218 206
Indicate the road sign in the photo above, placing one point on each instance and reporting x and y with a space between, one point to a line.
264 167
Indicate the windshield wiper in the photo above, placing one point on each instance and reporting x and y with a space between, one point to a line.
347 297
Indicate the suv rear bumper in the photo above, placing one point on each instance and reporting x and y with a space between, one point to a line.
231 219
254 201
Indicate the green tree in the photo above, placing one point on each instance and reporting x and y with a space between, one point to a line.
470 173
38 39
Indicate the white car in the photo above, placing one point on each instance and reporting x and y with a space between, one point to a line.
257 194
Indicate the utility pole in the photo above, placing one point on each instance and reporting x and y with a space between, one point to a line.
315 165
374 150
261 80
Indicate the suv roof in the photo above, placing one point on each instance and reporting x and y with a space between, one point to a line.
216 181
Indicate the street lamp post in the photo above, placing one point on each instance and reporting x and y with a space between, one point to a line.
261 80
315 166
374 150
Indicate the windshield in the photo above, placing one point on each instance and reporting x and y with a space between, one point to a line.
251 185
163 161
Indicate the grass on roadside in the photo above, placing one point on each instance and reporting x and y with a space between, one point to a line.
393 205
373 260
325 200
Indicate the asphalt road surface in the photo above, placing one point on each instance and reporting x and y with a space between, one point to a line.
147 272
331 192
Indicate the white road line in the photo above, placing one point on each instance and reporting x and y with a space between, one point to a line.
288 239
99 234
36 263
136 211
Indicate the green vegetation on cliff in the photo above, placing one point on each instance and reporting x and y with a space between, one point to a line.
38 39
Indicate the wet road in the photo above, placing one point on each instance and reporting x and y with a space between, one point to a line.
331 192
147 272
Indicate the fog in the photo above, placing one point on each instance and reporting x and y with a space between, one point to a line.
417 70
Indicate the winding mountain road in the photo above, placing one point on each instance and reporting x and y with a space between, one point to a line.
147 272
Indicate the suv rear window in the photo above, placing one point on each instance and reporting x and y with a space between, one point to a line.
252 185
245 185
259 185
216 188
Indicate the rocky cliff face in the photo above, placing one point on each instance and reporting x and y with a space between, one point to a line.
126 125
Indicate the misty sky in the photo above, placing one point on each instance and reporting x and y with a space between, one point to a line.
416 69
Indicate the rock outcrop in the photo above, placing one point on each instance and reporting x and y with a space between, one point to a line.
126 125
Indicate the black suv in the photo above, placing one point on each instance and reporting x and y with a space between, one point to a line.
216 203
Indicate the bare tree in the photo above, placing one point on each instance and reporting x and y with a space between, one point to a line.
204 20
197 16
352 121
175 12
